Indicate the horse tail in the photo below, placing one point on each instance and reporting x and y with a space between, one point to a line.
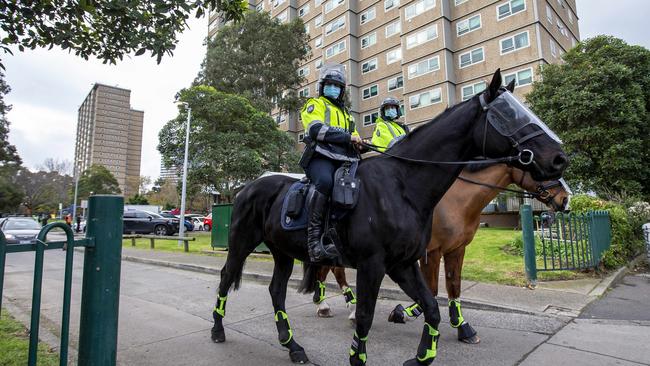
308 283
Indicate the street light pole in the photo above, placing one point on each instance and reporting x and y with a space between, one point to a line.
181 229
76 190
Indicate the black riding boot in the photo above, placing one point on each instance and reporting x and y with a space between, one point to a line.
317 209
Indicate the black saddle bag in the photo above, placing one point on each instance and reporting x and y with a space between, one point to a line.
345 192
295 202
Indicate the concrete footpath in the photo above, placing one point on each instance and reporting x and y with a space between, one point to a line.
565 298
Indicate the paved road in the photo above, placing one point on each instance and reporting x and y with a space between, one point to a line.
165 319
614 330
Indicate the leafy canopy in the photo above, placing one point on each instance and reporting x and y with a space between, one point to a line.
258 58
97 180
107 29
598 101
10 193
231 142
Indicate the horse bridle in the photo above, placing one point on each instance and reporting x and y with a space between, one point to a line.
542 191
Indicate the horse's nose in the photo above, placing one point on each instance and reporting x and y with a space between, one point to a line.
560 162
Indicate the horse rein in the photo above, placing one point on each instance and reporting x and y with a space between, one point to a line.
543 194
507 159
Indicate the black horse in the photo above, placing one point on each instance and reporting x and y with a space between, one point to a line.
389 229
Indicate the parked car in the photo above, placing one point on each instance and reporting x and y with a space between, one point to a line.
198 223
207 223
20 230
144 222
189 226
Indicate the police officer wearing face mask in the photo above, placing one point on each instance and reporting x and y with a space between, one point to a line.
388 131
331 139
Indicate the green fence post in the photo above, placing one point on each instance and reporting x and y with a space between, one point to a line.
3 253
530 264
101 282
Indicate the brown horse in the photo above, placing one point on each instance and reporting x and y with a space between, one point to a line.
456 219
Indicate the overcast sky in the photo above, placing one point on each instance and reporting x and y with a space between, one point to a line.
48 86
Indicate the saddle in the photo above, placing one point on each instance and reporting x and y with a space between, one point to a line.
345 195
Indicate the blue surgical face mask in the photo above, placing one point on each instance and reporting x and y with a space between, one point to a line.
331 91
391 112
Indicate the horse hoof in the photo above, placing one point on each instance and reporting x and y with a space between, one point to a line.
218 336
299 357
415 362
324 313
397 315
471 340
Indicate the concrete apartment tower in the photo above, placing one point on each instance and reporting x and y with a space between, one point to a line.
109 133
430 54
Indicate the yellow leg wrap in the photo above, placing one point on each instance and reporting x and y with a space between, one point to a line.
431 352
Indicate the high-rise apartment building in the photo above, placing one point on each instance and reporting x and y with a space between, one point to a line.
169 173
430 54
109 133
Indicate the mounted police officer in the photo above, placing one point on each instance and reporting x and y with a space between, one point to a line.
388 130
331 139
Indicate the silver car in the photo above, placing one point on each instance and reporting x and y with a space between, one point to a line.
20 230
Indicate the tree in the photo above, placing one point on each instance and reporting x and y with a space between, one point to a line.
165 195
258 58
138 199
43 190
97 180
63 167
10 193
107 29
231 141
598 101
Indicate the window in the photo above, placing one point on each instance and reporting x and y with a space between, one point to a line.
514 43
318 42
472 57
468 25
523 77
395 83
549 14
280 118
368 15
458 2
307 28
276 3
304 93
335 49
390 4
393 28
369 40
370 119
319 63
335 25
562 28
330 5
421 37
260 6
553 48
318 2
301 136
510 8
303 71
570 17
393 56
370 92
424 67
318 20
282 17
304 10
471 90
369 66
424 99
419 7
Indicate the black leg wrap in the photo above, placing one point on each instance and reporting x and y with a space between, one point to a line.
285 336
319 293
466 333
397 315
358 355
296 353
218 334
428 348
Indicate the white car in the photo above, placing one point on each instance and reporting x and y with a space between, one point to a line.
198 223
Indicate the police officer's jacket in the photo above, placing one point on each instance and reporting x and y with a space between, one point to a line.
387 133
327 131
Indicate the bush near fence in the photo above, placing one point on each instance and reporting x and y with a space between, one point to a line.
627 238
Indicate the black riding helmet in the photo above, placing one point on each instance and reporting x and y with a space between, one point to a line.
332 75
390 101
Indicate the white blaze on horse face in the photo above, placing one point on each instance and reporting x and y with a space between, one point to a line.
565 185
508 115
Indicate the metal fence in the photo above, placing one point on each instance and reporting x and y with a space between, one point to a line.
101 282
554 242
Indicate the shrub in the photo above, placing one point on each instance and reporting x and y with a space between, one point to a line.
626 236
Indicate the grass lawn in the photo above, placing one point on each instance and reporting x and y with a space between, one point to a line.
487 261
485 258
14 345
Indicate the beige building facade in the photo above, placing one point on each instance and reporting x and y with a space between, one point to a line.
109 133
430 54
